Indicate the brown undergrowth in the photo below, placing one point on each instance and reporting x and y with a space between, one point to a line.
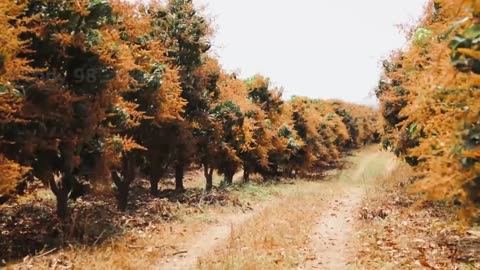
29 230
104 238
156 230
399 233
275 239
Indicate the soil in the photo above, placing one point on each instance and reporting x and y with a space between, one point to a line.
332 239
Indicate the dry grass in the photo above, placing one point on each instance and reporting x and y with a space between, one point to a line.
276 238
139 247
133 251
398 234
100 237
144 241
279 237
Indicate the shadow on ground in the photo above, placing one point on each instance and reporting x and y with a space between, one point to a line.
30 227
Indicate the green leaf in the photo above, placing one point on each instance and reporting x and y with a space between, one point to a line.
472 32
459 42
412 129
422 37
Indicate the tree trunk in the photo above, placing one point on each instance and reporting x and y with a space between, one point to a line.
246 176
154 186
155 174
208 172
275 170
122 196
62 205
123 188
228 179
61 195
123 182
290 173
179 173
62 188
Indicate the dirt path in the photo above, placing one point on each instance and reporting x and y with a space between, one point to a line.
332 236
213 238
333 233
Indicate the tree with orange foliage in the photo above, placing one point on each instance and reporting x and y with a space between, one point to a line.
431 104
208 129
306 123
156 93
83 68
13 68
267 149
98 90
229 111
186 36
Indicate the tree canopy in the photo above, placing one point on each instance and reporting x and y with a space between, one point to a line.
430 102
97 91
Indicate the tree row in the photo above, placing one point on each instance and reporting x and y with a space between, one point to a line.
431 102
95 92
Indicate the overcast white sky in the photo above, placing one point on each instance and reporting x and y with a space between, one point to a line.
315 48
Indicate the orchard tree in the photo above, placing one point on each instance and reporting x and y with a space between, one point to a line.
157 92
267 120
64 103
208 128
231 112
306 124
188 34
84 71
13 68
429 103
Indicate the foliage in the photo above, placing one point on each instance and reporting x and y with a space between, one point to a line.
13 68
96 92
430 102
11 173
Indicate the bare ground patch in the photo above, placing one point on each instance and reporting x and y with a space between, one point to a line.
291 233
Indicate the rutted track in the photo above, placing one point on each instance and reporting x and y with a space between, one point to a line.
332 234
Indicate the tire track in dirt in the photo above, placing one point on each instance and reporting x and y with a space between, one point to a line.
212 238
333 238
